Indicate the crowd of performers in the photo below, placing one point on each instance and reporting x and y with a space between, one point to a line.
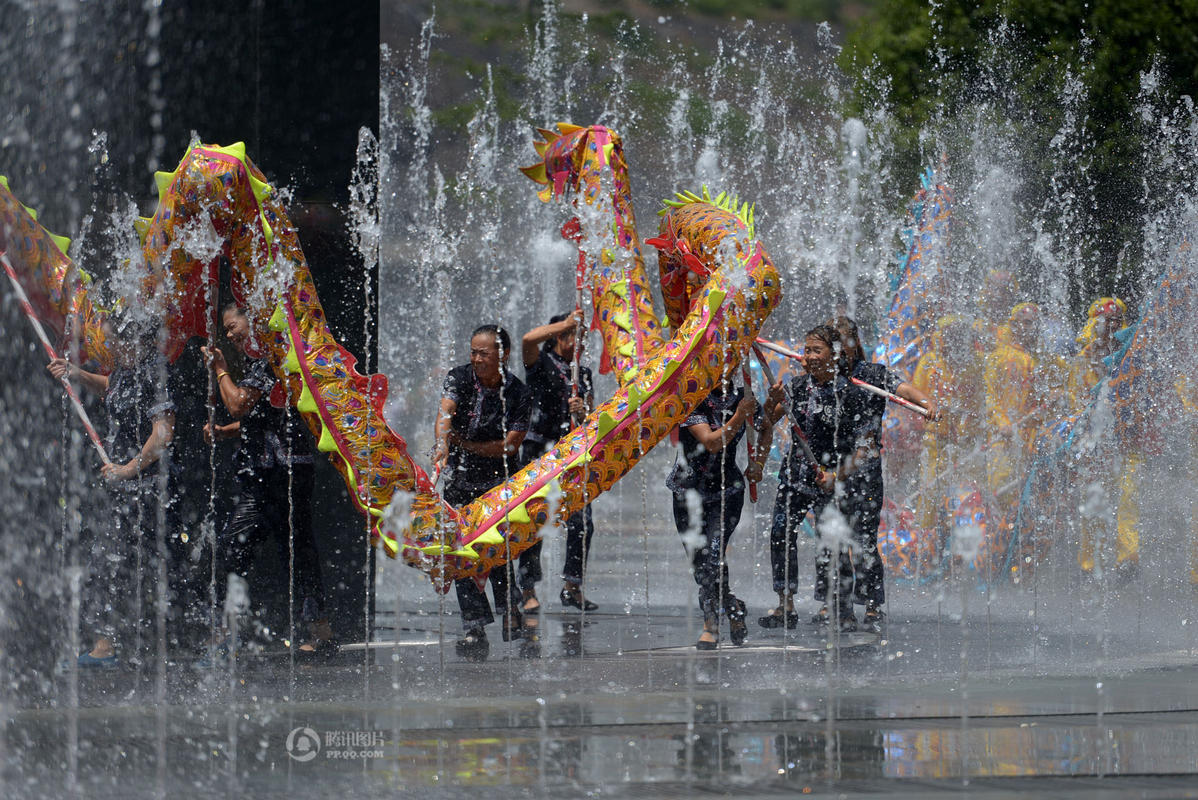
272 504
987 386
1004 381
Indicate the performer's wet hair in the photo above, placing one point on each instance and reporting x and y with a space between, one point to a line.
233 306
853 351
135 329
505 341
551 342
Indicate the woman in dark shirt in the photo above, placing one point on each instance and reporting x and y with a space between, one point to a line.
707 465
275 476
817 405
863 491
483 419
141 424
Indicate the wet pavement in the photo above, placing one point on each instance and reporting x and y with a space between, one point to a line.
1055 687
620 706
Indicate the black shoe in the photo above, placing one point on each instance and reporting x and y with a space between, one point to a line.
530 647
576 600
822 617
703 644
847 622
474 645
776 618
737 630
513 627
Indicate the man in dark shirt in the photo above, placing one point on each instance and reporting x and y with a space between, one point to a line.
483 420
558 405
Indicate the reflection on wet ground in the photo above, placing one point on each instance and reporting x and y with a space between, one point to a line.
621 706
1060 687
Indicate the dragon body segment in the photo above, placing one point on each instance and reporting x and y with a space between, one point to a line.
217 203
661 381
271 280
57 291
587 165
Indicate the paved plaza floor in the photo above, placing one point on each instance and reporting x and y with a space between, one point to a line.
1055 687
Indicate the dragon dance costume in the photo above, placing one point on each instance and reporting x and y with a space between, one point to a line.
1120 471
1022 389
951 373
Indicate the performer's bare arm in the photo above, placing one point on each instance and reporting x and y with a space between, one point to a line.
155 444
95 383
238 400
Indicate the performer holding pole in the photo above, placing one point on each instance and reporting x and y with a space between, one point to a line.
141 424
706 465
823 433
873 384
64 378
869 387
546 351
484 417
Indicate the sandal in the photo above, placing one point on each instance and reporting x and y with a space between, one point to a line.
709 622
474 645
321 641
776 618
873 619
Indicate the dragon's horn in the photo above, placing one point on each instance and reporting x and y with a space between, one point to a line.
536 172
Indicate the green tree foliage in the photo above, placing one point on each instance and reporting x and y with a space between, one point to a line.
937 60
